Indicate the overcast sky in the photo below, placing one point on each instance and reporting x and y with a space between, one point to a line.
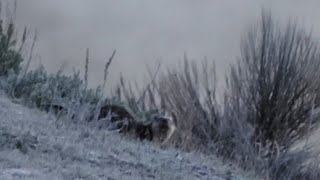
143 31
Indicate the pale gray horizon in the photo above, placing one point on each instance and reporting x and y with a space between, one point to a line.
145 31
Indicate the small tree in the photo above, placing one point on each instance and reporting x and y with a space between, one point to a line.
273 81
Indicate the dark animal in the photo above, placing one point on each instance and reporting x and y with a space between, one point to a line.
159 128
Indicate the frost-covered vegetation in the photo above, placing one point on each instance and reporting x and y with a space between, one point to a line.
272 91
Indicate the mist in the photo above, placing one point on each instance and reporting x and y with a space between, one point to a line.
145 32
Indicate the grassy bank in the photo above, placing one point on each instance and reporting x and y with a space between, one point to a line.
272 92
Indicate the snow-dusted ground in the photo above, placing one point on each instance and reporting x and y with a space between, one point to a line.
33 145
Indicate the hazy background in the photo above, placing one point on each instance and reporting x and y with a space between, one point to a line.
144 31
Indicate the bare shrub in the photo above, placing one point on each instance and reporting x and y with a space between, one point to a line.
273 81
187 91
270 96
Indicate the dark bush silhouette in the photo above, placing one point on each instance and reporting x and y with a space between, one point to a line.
272 86
10 58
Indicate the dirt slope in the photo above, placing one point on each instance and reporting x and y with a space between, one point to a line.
33 145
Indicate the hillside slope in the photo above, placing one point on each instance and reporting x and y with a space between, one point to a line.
33 145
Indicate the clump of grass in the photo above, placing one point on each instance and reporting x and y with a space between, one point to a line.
295 165
40 89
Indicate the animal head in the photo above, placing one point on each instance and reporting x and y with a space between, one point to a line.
163 128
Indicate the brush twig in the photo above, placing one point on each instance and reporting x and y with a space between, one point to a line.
106 69
31 52
149 84
86 69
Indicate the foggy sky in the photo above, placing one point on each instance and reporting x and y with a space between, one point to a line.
143 31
